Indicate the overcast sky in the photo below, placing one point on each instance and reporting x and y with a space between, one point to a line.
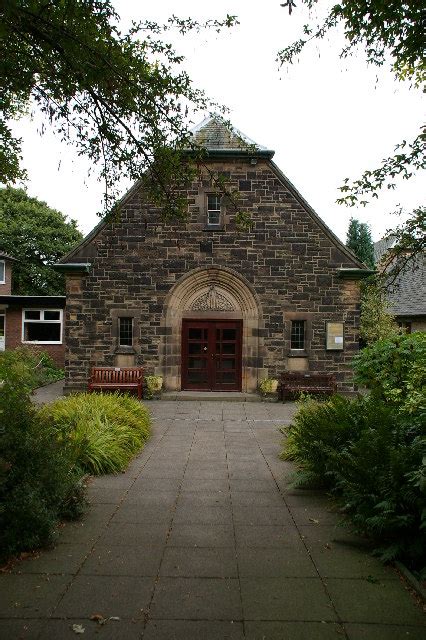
326 119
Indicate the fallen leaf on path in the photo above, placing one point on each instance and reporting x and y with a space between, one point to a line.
78 628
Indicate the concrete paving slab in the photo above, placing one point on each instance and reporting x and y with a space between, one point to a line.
292 599
134 534
111 630
201 535
265 630
30 596
193 630
385 602
199 562
197 599
123 561
121 596
19 629
384 632
62 559
292 562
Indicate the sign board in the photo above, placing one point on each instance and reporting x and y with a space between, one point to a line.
334 336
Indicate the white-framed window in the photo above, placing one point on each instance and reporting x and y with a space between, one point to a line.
42 326
213 210
2 272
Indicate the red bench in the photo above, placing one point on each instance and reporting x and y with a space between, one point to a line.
300 382
118 378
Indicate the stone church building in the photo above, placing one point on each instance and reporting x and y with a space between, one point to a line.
204 304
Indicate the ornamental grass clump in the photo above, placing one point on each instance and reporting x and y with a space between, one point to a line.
102 432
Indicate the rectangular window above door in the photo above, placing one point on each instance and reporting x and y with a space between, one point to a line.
213 210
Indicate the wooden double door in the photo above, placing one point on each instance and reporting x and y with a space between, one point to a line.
211 355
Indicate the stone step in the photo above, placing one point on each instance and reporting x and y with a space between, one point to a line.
218 396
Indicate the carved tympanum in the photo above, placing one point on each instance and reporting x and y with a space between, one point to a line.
212 300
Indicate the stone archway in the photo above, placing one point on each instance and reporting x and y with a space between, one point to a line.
206 293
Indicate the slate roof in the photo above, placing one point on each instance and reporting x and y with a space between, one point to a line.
407 297
214 135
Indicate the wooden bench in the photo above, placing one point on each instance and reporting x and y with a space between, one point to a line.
300 382
121 378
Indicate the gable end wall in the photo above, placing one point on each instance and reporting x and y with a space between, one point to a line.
287 259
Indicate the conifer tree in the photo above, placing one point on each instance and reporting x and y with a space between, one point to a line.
359 240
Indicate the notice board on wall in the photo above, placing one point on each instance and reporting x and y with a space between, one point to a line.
335 336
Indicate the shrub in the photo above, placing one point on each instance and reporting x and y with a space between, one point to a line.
268 385
372 457
393 370
37 367
378 477
320 429
153 385
39 482
101 432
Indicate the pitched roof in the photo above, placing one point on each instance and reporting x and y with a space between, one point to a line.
407 296
381 247
218 136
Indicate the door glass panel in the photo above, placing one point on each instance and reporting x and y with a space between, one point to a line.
228 347
228 334
197 363
197 376
195 334
228 377
228 363
195 347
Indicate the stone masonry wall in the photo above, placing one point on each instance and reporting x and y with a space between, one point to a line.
287 258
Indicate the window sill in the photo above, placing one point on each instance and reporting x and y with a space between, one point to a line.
297 353
40 342
121 349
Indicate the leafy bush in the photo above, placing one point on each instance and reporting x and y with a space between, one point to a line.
153 385
371 454
319 429
38 366
393 370
378 479
100 432
39 482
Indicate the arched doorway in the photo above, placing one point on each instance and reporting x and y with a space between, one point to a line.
214 313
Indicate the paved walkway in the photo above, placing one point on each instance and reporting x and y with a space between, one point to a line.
203 539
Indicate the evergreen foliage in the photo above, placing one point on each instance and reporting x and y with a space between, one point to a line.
37 236
39 483
370 451
359 241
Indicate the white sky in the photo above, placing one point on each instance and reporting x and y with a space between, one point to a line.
327 119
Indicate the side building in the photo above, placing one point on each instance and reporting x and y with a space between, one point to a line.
407 293
204 304
36 321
